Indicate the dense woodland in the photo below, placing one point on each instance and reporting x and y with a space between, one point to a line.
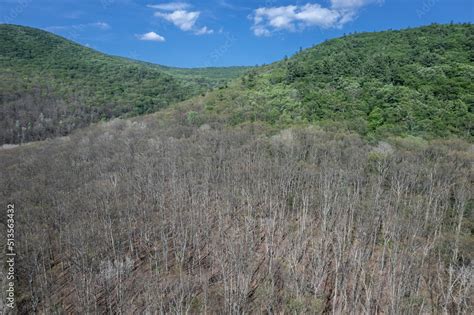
411 82
50 85
336 181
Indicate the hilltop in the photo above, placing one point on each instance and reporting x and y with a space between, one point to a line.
409 82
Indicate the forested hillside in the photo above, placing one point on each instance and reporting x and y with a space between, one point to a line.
272 195
410 82
214 77
50 85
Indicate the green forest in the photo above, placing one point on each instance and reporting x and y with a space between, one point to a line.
50 85
415 82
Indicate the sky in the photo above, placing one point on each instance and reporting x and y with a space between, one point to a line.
216 33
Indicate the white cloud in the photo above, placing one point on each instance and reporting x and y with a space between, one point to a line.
170 6
261 31
151 36
183 19
314 14
292 17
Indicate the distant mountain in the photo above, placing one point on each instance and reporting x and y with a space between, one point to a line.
411 82
50 85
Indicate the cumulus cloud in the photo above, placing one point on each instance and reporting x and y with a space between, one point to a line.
184 20
267 20
151 36
178 14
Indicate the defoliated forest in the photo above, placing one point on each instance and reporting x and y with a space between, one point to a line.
135 217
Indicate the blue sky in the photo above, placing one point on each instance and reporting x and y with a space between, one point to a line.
222 32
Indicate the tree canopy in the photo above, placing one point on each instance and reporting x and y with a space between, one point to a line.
410 82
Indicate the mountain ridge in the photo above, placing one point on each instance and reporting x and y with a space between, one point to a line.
415 81
69 85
